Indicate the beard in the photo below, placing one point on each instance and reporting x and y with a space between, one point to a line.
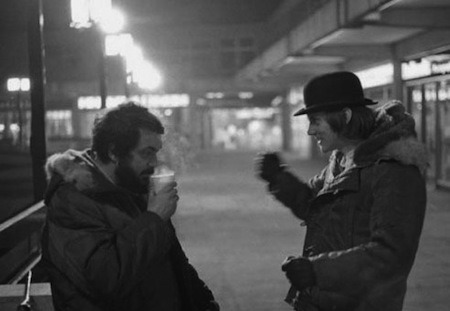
127 178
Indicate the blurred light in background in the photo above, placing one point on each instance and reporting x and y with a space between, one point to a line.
18 84
146 100
213 95
86 12
146 76
118 44
376 76
112 22
245 95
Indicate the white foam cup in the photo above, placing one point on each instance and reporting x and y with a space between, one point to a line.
158 181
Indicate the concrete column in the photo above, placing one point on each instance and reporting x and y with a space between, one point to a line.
398 82
286 125
194 123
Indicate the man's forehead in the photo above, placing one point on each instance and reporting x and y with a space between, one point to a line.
316 115
149 139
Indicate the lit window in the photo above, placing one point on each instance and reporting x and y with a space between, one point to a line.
59 124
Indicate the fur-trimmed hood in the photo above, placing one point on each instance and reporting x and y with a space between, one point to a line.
72 166
394 137
77 168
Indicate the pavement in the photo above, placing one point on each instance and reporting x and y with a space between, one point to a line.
236 236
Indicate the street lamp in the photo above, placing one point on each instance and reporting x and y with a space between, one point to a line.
119 45
138 70
102 18
19 85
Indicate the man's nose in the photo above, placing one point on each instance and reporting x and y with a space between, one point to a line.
153 162
311 131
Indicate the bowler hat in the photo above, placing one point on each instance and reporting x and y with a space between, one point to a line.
333 91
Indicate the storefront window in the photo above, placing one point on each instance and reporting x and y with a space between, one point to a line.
248 128
444 115
59 124
430 125
416 108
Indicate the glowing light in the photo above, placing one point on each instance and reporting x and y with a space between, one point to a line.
25 84
413 69
147 100
212 95
85 13
376 76
14 127
89 102
258 113
245 95
417 96
18 84
80 13
133 58
112 22
147 76
13 84
118 44
114 101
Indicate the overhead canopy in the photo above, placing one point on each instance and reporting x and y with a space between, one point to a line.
353 35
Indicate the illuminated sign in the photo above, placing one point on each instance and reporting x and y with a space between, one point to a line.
413 69
147 100
440 68
376 76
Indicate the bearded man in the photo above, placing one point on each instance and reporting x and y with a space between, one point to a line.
108 244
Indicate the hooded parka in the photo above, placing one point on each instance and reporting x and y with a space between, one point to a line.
363 222
104 251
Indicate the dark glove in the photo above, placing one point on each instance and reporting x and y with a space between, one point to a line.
299 271
268 165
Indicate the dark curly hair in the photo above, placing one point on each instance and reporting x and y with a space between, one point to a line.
118 129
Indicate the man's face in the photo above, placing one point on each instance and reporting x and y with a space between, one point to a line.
327 139
133 171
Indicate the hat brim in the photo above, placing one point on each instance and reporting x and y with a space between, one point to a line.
334 106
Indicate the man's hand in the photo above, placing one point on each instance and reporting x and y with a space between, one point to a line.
164 203
268 165
299 271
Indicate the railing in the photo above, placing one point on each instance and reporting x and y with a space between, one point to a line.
18 261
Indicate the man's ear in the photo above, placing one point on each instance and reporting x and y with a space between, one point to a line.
348 114
111 154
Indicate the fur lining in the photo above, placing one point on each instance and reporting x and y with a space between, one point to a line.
71 167
394 137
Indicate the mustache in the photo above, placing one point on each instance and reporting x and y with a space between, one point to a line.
148 171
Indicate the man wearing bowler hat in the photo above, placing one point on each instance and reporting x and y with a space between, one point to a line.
364 211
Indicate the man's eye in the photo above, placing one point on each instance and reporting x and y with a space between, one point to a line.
148 153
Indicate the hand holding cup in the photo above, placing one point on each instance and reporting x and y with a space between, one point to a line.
163 196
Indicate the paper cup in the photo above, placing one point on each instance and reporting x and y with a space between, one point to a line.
159 181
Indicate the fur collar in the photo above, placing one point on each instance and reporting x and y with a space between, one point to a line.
394 137
73 167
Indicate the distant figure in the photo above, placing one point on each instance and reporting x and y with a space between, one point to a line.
364 212
108 242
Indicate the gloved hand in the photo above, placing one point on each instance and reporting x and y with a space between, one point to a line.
268 165
299 271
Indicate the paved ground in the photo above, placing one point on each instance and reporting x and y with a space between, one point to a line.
237 236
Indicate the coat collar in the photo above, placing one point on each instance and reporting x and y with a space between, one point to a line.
394 137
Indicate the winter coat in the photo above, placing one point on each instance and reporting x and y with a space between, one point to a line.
104 251
363 223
